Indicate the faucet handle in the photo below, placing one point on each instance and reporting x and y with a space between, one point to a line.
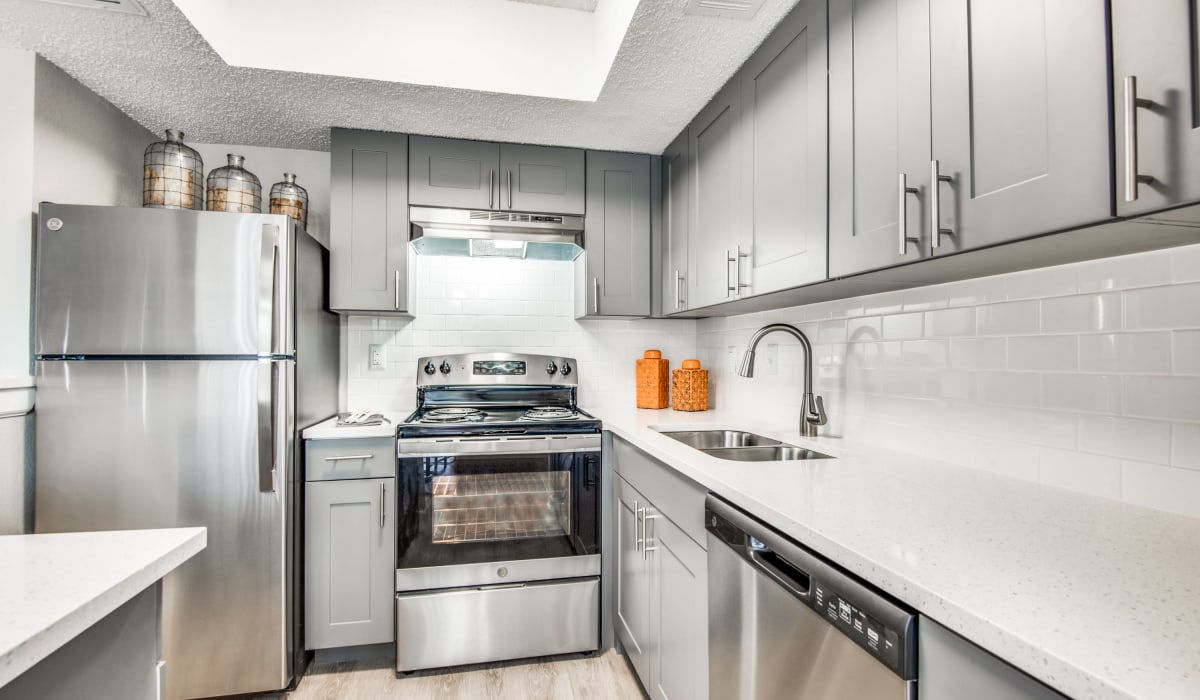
816 411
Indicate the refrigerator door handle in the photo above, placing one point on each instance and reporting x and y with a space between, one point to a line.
268 387
269 292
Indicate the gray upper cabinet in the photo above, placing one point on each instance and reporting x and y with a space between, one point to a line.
617 235
783 146
715 218
542 179
879 141
1156 71
1019 95
368 232
675 193
350 566
454 173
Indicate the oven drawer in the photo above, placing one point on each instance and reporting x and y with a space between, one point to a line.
349 458
479 625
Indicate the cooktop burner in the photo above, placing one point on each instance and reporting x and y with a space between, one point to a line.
546 413
452 414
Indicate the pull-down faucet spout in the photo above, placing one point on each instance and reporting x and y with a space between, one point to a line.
812 414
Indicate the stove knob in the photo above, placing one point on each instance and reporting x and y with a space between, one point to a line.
429 368
445 367
566 369
551 368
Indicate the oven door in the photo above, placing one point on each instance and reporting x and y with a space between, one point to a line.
481 510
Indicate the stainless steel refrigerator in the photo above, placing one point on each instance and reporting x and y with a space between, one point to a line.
178 355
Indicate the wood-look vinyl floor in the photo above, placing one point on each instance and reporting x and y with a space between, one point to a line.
604 676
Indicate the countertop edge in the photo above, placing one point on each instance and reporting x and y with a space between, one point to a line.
24 656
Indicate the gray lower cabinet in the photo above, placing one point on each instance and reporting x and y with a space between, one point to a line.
616 259
675 198
661 570
879 143
783 147
542 179
350 565
1019 119
952 668
368 232
715 217
1155 77
453 173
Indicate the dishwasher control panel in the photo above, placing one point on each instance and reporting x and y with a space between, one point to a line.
871 634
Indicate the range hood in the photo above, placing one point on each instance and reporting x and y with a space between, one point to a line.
495 234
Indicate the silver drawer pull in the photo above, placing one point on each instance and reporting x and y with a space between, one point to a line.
339 459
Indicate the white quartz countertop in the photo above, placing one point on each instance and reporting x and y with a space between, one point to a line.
329 429
1096 598
55 586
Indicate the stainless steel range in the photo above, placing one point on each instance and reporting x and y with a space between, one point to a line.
498 544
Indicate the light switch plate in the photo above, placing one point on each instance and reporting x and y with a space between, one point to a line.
376 358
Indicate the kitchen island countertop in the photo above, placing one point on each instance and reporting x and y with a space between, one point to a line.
1096 598
55 586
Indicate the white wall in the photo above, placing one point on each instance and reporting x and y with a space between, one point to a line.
1083 376
269 165
480 304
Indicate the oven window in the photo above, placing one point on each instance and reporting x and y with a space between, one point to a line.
470 509
494 507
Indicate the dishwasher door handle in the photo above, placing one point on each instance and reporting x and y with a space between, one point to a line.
781 571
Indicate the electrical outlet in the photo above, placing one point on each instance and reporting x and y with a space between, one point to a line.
731 358
770 360
376 357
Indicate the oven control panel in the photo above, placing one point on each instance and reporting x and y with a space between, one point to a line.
497 368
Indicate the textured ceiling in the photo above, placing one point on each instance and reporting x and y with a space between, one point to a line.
161 72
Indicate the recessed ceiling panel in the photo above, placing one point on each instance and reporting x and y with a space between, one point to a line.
517 48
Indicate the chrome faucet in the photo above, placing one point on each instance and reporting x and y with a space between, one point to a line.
812 414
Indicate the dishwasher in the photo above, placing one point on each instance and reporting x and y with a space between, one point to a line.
785 623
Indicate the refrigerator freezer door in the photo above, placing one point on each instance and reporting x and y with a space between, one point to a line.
149 444
122 282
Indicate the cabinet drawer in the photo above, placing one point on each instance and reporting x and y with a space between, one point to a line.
359 458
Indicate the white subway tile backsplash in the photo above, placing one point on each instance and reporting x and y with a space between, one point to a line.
1013 318
1086 312
1185 351
1162 488
1185 264
1039 284
1174 398
1177 306
1185 445
1132 353
1127 438
979 353
1008 388
1086 393
900 326
1142 270
860 330
950 322
1077 471
1044 352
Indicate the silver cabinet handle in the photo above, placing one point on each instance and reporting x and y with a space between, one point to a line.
382 503
737 286
729 288
346 457
510 204
1131 146
646 548
397 289
903 192
678 290
637 521
935 204
491 189
595 295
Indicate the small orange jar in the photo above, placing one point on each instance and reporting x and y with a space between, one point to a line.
689 387
652 377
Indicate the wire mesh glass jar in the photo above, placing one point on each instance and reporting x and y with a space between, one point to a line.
172 175
289 198
233 188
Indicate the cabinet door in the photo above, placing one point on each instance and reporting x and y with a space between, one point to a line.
454 173
349 562
679 654
632 604
784 154
368 232
714 226
616 234
951 667
1156 44
675 166
542 179
1019 94
878 133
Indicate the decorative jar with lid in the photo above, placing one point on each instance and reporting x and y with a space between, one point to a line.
653 380
172 175
289 198
689 387
233 188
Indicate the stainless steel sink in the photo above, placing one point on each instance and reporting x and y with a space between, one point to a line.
772 453
712 439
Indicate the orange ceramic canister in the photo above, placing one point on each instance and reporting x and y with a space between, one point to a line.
652 376
689 387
